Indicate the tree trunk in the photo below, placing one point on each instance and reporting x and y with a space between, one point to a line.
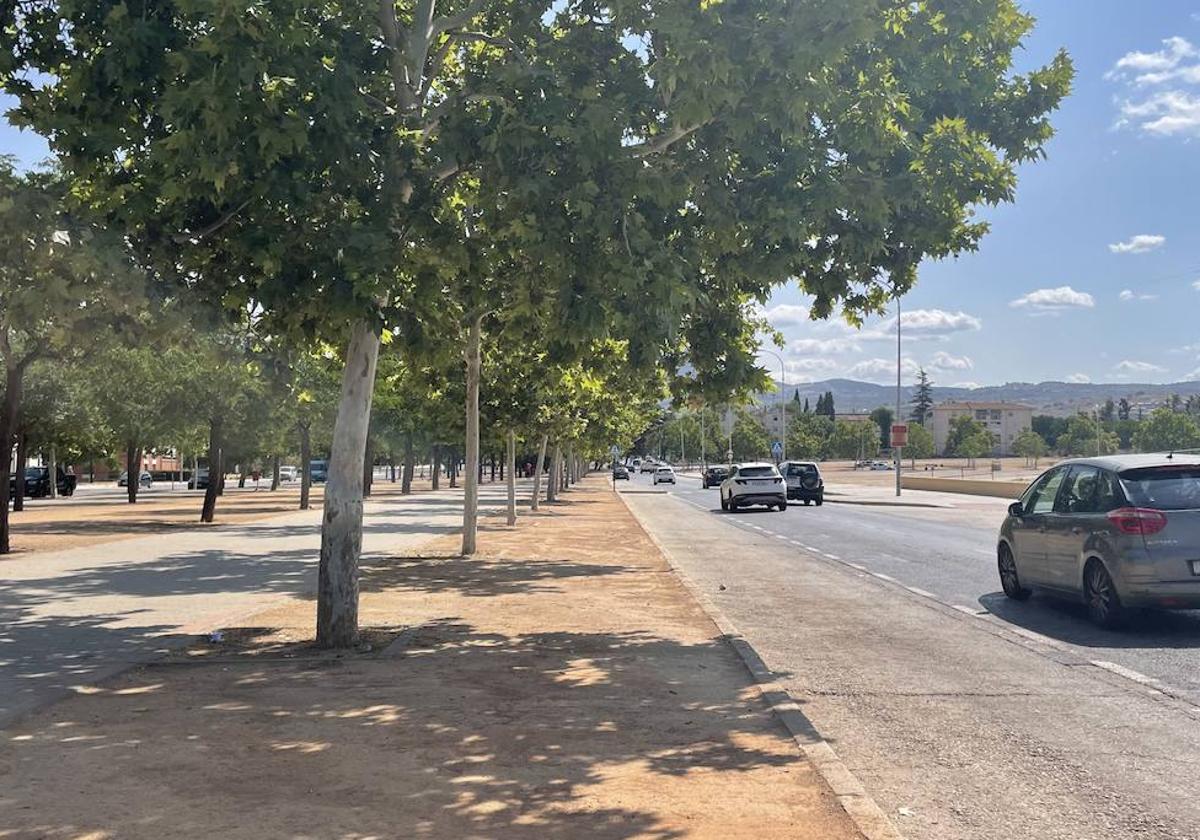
368 475
22 460
436 466
537 475
13 382
392 466
133 471
474 468
53 471
341 528
452 468
553 478
215 468
305 464
406 478
275 472
507 469
492 467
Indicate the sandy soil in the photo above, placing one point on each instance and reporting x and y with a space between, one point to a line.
560 685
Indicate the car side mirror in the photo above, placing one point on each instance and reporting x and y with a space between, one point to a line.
1016 510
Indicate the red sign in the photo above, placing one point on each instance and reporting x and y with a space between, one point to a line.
899 434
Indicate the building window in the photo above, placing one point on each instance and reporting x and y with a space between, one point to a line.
981 414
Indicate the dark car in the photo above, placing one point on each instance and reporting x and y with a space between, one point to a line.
713 476
1114 532
620 471
318 470
37 483
804 481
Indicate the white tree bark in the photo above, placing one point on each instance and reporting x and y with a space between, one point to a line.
537 474
53 464
555 479
470 534
341 526
510 470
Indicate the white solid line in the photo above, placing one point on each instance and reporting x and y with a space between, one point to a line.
832 556
812 549
922 592
781 537
1127 673
882 576
858 566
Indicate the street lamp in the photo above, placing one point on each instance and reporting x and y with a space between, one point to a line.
783 402
896 449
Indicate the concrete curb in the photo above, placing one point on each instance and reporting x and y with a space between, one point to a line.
873 503
865 813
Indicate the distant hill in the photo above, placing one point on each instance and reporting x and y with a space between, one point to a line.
1058 398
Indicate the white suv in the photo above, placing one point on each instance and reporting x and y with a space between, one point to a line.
753 484
664 475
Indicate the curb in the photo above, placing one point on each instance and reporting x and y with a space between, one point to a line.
870 503
863 811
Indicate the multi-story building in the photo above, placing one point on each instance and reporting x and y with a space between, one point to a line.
1004 420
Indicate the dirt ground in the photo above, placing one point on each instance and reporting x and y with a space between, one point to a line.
57 526
562 684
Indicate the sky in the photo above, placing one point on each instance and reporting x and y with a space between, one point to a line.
1092 274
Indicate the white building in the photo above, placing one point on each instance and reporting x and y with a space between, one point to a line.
1004 420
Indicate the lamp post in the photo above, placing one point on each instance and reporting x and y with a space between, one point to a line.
896 449
783 402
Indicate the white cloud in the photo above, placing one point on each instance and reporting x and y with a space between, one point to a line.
882 370
971 385
1159 101
1128 295
1129 369
1193 376
809 368
824 346
1196 285
1079 378
1054 300
787 315
934 322
944 361
1139 244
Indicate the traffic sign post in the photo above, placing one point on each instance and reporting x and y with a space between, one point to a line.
777 451
899 434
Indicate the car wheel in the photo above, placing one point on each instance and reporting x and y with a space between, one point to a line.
1009 579
1103 602
732 503
783 506
807 502
820 500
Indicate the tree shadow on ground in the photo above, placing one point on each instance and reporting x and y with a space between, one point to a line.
476 577
451 732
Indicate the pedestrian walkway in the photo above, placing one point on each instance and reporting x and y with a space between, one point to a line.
562 684
72 617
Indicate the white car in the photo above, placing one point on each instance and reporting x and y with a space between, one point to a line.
754 484
880 465
288 473
664 475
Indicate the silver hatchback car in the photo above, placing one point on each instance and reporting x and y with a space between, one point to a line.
1117 532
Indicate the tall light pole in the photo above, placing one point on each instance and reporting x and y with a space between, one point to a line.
896 449
783 403
1097 408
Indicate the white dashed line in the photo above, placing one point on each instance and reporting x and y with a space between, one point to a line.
882 576
972 611
1127 673
858 566
781 537
922 592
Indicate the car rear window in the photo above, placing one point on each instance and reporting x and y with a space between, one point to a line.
1164 488
802 470
756 472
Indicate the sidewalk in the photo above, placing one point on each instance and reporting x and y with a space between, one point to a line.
561 685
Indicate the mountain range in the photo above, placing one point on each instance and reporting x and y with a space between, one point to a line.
1056 398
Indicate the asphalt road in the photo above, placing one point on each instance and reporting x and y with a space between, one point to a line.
965 715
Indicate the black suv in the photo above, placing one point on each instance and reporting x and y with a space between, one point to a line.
804 481
713 476
37 483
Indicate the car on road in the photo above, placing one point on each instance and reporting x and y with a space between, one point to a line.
37 483
318 470
804 481
664 475
713 476
144 479
288 473
620 471
753 484
880 466
648 466
1116 532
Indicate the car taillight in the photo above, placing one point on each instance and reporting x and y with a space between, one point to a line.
738 481
778 480
1135 520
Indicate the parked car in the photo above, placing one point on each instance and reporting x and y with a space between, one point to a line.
648 466
288 473
37 483
880 465
200 480
637 463
318 471
753 484
713 476
664 475
804 481
144 480
1115 532
620 471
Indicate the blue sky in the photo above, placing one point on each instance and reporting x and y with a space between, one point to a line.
1090 274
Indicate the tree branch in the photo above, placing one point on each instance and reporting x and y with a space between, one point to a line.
664 141
390 27
452 22
209 230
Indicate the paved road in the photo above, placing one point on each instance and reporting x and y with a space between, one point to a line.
73 617
979 718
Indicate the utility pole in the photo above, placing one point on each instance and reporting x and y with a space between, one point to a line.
783 402
896 450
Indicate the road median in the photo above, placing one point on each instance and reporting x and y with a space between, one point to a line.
562 683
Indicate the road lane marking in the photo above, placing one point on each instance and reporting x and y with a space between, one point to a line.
781 537
882 576
924 593
972 611
833 557
1127 673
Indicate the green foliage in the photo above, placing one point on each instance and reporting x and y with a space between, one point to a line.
920 442
882 417
1030 446
1049 428
967 436
1165 430
922 402
853 439
1085 436
751 442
